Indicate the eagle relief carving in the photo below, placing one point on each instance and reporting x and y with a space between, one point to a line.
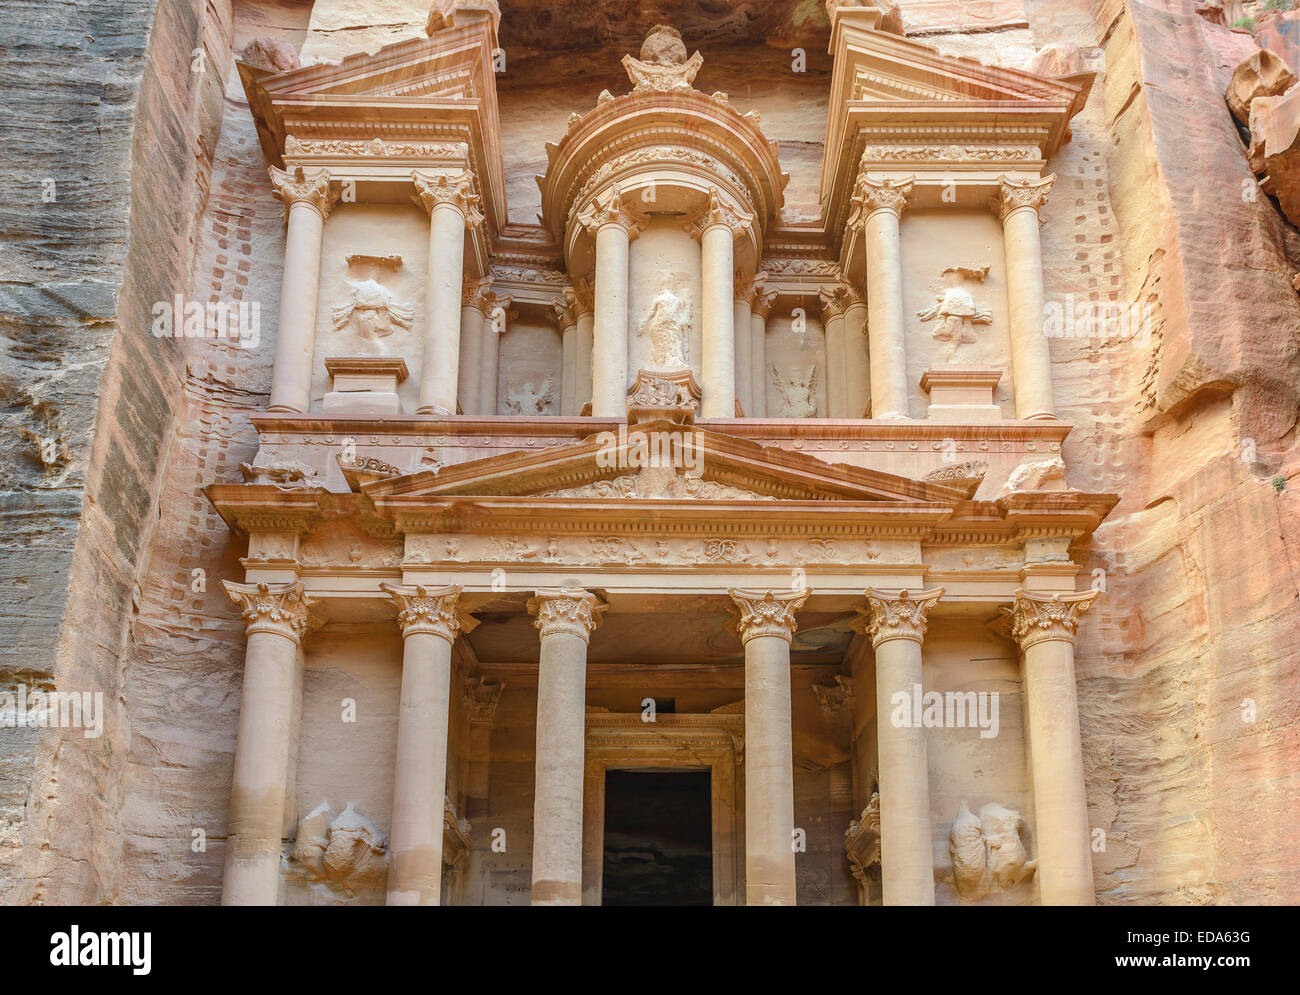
534 396
373 312
955 311
796 392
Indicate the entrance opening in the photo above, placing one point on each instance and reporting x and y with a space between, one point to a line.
658 838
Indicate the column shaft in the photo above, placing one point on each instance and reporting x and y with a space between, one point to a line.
897 625
441 361
758 358
1031 361
744 363
1045 626
307 200
490 371
275 618
857 367
769 774
471 359
717 320
888 361
420 773
569 369
586 325
565 620
836 386
609 355
907 864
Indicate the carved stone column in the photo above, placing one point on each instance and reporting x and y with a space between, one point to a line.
452 206
307 203
1045 624
613 226
429 625
743 341
834 301
566 319
766 627
759 310
473 303
586 339
880 205
896 624
566 619
1018 205
718 228
857 368
276 617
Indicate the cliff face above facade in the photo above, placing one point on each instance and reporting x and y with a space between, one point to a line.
1188 668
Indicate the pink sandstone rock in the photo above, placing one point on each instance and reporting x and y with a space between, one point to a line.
1275 126
1058 59
1263 74
274 54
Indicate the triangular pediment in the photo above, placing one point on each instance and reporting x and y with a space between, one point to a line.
662 460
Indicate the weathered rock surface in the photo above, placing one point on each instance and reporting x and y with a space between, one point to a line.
1263 74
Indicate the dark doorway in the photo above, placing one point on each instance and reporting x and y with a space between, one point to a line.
658 838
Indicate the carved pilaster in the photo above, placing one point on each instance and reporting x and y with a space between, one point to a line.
426 610
1038 616
302 186
835 301
873 195
433 189
566 309
763 613
1017 194
836 700
281 609
482 696
573 611
609 209
896 616
717 213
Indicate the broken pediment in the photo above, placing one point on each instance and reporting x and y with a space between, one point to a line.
662 460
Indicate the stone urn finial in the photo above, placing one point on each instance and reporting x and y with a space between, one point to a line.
663 66
663 46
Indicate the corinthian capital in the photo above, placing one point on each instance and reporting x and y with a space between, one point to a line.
747 290
718 213
281 609
763 613
475 292
1038 617
434 189
430 610
896 616
566 308
572 611
310 187
609 209
835 300
879 195
1015 194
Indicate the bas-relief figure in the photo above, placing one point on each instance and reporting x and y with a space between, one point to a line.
796 391
372 313
987 852
955 312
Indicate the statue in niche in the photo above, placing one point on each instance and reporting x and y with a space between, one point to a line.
955 309
666 326
987 852
530 397
373 312
795 392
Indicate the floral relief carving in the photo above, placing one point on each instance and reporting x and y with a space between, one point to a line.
896 616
